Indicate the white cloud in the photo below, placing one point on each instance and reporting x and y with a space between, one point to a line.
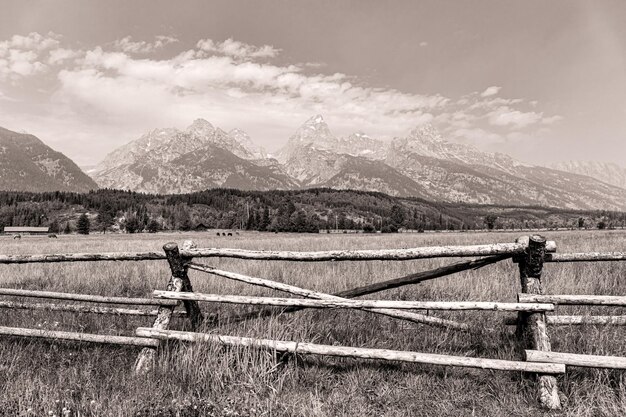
60 55
237 49
21 56
505 116
551 120
491 91
423 44
142 47
112 94
478 136
33 42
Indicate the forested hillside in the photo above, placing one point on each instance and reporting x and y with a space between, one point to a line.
281 211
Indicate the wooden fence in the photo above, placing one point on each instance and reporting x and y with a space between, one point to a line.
530 253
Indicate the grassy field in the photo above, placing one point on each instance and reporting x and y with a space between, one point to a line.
40 378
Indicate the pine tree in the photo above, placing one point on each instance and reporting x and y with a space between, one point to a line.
265 220
83 225
153 226
54 227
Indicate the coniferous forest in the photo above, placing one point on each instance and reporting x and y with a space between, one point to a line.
309 210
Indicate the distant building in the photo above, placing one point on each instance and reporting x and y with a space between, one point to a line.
201 227
24 230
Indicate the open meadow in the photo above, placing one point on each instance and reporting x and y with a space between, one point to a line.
38 377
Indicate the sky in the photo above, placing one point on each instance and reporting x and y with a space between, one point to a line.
544 81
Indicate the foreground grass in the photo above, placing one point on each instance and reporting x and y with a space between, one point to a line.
39 377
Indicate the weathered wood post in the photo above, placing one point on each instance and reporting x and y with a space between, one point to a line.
179 281
178 265
531 329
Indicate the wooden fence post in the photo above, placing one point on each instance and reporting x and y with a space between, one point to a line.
532 326
179 281
178 265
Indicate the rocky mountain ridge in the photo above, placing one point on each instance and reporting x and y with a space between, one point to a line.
422 164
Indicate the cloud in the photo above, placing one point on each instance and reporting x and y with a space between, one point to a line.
21 56
478 136
60 55
237 49
551 120
505 116
491 91
115 93
142 47
32 42
423 44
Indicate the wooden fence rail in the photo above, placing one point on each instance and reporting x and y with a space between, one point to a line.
384 304
575 359
86 297
365 255
585 257
577 320
354 352
82 257
79 308
320 256
598 300
291 289
79 337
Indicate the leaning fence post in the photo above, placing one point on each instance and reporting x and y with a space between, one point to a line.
179 267
532 326
179 281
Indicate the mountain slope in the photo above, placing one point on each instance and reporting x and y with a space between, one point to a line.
317 158
202 156
316 133
606 172
457 172
27 164
171 161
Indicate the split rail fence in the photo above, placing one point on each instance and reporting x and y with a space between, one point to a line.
529 252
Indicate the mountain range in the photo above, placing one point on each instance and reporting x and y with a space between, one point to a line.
422 164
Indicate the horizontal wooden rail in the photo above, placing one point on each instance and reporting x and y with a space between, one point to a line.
309 303
575 359
365 255
585 257
82 257
577 320
337 255
79 337
354 352
79 308
600 300
291 289
84 297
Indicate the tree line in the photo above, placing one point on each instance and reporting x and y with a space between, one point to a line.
273 211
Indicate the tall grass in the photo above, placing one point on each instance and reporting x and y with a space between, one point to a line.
38 377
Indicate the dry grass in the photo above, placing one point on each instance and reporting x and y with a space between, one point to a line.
38 377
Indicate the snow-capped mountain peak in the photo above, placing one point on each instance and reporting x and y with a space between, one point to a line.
314 128
361 135
200 127
427 133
